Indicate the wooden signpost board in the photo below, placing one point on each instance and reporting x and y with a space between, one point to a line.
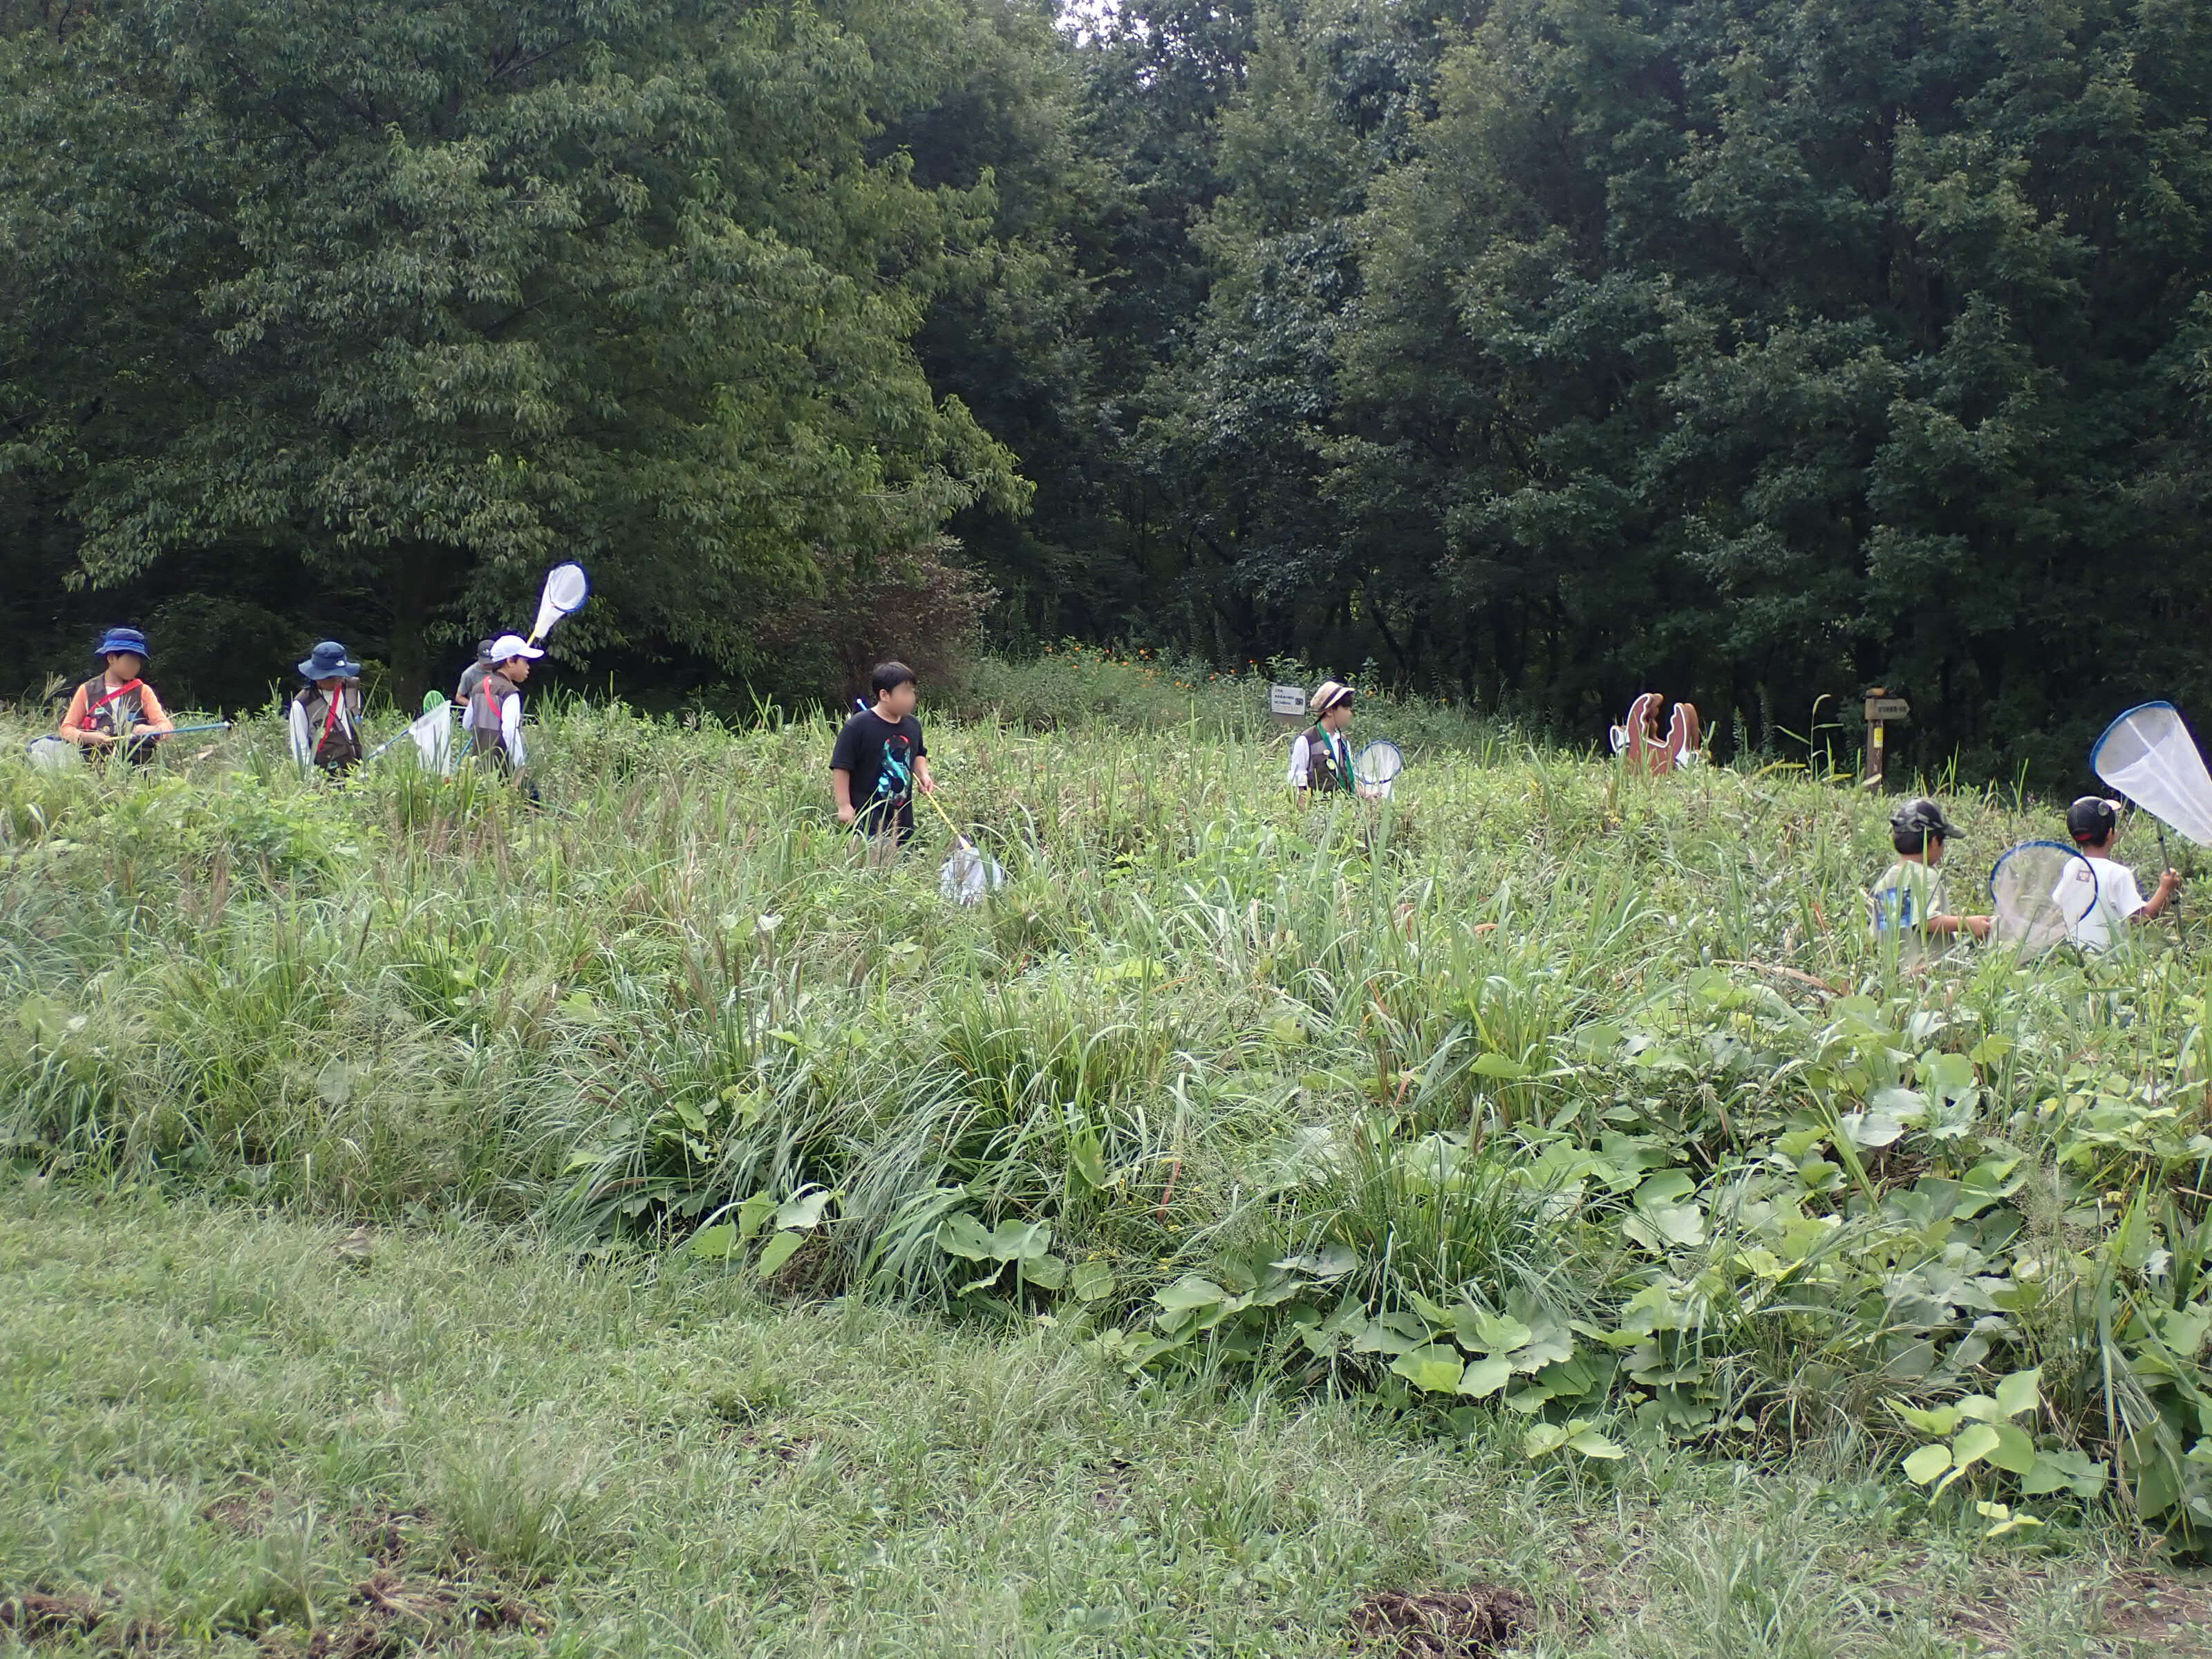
1882 711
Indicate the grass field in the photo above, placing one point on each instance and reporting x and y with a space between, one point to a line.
644 1223
223 1424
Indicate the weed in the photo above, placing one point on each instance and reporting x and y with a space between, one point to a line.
1561 1112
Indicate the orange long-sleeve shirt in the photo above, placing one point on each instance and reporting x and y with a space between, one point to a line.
79 722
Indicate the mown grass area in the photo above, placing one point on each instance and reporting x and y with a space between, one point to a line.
231 1432
1549 1128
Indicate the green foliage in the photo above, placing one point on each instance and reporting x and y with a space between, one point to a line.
468 291
1548 351
1523 355
1072 685
1625 1139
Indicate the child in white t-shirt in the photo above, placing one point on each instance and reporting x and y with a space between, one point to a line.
2094 823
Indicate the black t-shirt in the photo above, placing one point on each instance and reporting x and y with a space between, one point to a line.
879 755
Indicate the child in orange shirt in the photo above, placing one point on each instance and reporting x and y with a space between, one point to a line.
116 706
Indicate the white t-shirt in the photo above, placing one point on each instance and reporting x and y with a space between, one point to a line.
2117 901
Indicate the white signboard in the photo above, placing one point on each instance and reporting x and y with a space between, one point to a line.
1287 700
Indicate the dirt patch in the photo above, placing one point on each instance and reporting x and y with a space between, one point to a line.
36 1616
1441 1624
388 1534
389 1614
247 1511
784 1449
2160 1614
1113 1494
33 1615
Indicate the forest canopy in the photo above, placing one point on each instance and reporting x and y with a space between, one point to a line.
1528 352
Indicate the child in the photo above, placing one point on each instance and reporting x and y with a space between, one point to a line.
118 706
493 720
2094 823
1320 760
1908 901
880 759
326 715
472 676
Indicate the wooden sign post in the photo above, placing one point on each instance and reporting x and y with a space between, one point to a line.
1882 711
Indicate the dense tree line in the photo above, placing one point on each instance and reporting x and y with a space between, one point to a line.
1529 351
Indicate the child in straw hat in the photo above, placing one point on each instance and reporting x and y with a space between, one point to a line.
1321 759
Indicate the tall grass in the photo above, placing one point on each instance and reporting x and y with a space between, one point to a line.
1534 1043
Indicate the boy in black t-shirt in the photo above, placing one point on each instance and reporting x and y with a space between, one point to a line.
880 759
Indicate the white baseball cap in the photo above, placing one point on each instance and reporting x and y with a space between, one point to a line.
513 644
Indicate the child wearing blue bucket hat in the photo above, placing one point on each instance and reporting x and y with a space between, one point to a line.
116 706
326 715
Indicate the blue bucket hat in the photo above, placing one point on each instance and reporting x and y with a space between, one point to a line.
329 661
122 639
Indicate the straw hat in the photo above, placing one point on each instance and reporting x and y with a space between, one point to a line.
1328 695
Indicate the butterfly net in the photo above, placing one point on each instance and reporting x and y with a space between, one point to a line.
2149 755
2039 892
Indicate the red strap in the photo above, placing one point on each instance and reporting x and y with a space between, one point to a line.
122 689
329 720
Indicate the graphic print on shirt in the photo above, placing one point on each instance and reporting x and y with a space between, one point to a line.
1893 909
895 777
1904 900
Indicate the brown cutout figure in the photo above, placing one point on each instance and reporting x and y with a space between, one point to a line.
1649 750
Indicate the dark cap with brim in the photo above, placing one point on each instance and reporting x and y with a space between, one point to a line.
2092 817
1923 816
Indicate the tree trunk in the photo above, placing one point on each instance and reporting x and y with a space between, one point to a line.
419 576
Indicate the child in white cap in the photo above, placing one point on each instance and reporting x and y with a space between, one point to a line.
494 720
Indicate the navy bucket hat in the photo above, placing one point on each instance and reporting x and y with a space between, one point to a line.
122 639
329 661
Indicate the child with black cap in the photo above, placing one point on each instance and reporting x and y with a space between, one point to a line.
473 675
2094 823
1908 901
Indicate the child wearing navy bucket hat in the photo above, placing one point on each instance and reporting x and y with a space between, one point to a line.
116 708
326 714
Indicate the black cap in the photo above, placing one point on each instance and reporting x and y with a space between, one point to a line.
1922 816
2093 818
